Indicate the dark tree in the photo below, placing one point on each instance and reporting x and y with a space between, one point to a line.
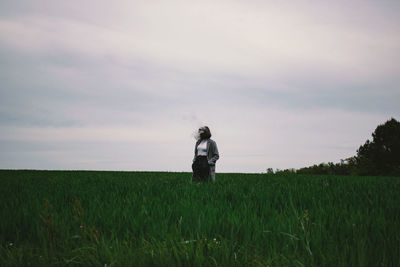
381 156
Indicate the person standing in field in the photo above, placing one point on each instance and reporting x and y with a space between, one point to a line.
205 156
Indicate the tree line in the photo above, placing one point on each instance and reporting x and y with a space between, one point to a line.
380 156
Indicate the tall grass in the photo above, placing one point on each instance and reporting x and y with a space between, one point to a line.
160 218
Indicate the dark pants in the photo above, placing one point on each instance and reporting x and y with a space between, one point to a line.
201 169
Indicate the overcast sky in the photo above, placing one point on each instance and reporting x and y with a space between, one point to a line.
122 85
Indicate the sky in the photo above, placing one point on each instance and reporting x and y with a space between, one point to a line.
124 85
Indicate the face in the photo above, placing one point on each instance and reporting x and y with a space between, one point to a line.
201 133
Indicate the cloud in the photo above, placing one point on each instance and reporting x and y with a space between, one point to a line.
280 84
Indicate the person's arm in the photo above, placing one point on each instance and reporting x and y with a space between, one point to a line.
215 154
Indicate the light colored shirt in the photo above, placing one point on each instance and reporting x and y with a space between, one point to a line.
212 153
202 148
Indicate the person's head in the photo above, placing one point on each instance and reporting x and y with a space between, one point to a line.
204 133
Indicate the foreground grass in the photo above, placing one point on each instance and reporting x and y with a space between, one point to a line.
159 218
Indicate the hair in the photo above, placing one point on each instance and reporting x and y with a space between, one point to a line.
206 134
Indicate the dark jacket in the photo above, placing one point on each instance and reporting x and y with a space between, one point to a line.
212 151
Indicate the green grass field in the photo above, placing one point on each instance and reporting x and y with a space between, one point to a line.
96 218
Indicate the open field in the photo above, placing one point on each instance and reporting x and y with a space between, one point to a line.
159 218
